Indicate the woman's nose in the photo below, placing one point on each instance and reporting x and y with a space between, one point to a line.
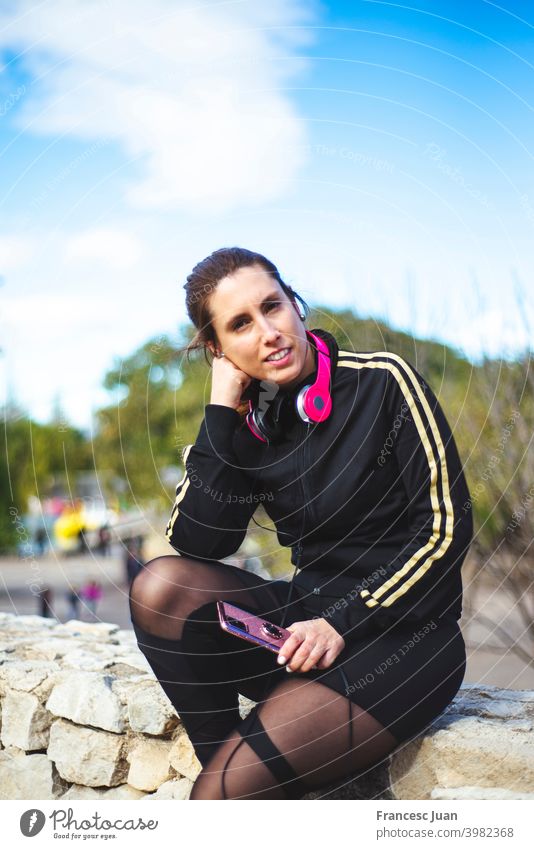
268 330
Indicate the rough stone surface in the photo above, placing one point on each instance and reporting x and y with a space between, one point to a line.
149 764
478 793
123 791
28 776
25 722
82 716
178 788
29 622
93 630
149 709
87 756
27 675
484 739
87 698
183 759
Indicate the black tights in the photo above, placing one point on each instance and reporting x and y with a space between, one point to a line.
297 738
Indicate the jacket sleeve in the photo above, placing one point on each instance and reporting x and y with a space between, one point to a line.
424 580
214 500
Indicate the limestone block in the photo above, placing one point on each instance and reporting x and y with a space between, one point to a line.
126 637
493 703
90 660
50 648
29 777
87 756
136 660
27 622
245 706
478 793
28 675
25 722
78 792
87 698
149 763
178 788
182 757
149 709
484 739
92 630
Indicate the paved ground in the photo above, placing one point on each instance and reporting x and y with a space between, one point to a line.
20 580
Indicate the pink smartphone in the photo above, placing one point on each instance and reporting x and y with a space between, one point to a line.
250 627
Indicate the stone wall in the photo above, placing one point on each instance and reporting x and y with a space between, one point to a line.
82 716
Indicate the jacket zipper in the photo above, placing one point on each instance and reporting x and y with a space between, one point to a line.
305 489
302 475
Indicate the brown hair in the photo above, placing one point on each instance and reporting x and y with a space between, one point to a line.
203 281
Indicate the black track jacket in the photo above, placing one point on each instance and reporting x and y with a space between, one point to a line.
376 493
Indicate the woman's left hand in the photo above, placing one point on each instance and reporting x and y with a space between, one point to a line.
313 642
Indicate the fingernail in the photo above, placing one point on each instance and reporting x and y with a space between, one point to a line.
288 669
282 659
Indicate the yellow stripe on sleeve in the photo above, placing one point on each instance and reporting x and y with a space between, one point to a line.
181 490
371 599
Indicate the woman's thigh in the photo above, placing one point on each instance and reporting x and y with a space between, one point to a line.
320 735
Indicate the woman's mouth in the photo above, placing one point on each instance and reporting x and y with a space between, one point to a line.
280 358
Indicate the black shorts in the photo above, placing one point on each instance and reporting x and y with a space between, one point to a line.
404 677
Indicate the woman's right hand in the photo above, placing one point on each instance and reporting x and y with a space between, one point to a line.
227 383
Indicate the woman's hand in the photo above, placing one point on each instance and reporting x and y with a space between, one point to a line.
227 383
313 642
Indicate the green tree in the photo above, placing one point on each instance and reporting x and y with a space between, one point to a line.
158 404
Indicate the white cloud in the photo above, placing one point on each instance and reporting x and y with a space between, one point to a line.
496 334
63 344
192 93
117 249
24 313
15 252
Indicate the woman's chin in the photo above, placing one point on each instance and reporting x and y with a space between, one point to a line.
286 381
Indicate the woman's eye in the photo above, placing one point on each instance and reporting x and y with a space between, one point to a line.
269 306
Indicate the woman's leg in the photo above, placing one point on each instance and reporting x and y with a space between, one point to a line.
298 739
199 666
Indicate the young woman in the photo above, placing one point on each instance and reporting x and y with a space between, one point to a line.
353 460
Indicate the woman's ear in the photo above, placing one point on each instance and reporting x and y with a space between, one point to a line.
297 310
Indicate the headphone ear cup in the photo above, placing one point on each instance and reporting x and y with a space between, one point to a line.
266 425
314 402
312 405
263 427
253 425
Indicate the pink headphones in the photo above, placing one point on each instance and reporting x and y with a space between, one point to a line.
313 402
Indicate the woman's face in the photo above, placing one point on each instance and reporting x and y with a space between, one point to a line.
253 318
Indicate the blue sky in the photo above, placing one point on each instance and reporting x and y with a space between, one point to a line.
379 153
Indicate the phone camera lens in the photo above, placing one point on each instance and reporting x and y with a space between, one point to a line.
272 630
237 623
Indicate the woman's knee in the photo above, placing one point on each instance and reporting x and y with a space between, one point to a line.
159 584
